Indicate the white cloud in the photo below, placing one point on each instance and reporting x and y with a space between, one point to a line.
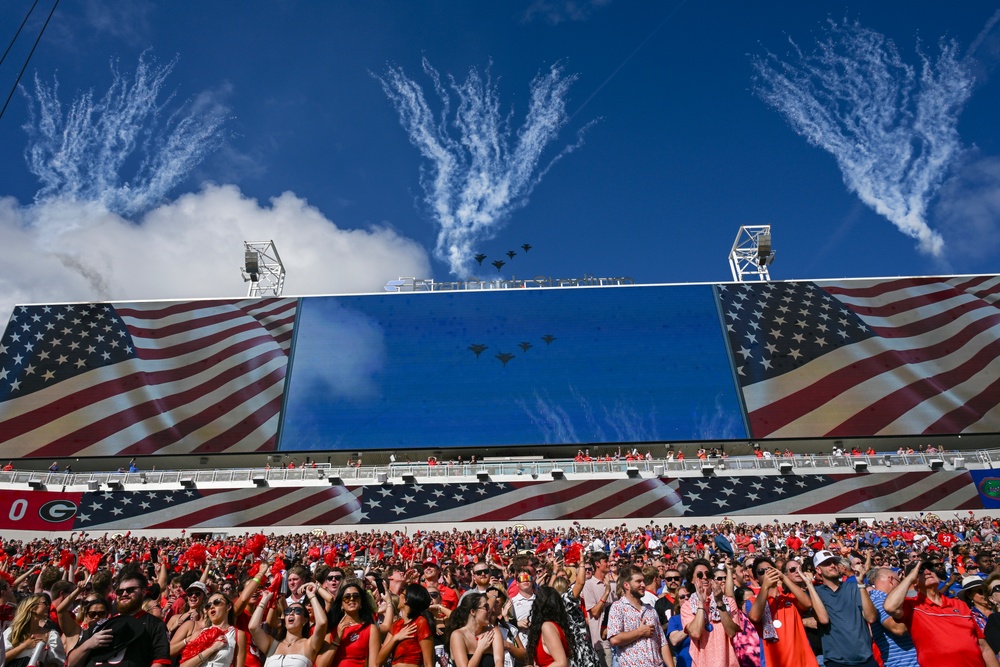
891 128
191 247
474 181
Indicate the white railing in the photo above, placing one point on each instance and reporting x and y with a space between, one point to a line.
493 468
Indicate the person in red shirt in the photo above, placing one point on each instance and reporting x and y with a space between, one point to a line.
794 542
432 575
942 628
816 542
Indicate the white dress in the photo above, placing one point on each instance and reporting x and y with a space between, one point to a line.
56 653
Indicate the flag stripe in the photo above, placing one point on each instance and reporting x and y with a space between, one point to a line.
936 349
206 377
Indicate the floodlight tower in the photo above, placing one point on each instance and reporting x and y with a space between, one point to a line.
751 253
263 269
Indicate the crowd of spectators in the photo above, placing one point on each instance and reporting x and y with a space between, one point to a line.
918 591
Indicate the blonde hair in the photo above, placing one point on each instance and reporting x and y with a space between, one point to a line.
20 628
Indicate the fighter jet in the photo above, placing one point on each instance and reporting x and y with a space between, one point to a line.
499 263
511 253
524 346
527 247
479 258
548 338
477 349
504 357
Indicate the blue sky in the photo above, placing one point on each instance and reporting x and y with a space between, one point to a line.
310 151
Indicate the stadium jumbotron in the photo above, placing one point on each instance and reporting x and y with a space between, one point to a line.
595 402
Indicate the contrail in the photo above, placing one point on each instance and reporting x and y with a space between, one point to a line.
80 153
479 170
893 132
629 57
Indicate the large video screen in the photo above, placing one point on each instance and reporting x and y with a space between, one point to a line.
509 368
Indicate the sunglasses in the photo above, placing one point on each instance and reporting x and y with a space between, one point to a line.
683 597
524 578
791 569
352 597
195 594
480 573
295 610
435 595
761 571
486 608
128 590
97 614
995 589
701 575
671 578
217 602
335 577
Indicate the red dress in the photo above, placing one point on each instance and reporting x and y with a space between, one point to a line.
543 659
353 649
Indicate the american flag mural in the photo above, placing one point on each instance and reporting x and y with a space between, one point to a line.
144 378
480 502
866 357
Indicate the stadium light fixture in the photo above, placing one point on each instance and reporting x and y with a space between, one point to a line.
936 464
36 483
558 473
263 269
632 472
260 479
860 466
785 467
187 482
115 483
483 475
334 479
707 469
751 253
409 478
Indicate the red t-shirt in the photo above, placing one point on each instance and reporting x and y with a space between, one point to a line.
408 651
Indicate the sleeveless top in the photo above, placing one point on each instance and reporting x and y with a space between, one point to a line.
287 660
542 658
353 649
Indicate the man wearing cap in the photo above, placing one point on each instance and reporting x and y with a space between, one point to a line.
942 628
432 577
846 638
132 638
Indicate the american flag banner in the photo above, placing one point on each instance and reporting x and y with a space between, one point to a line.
866 357
194 509
144 378
480 502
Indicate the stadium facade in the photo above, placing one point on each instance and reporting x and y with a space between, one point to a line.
524 374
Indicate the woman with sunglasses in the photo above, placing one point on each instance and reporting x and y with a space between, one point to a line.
293 646
410 643
355 639
220 644
471 640
679 641
31 626
90 612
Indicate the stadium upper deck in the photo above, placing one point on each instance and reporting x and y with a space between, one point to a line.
505 371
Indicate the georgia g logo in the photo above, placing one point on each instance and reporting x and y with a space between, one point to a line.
57 511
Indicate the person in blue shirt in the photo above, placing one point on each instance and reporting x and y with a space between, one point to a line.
680 642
